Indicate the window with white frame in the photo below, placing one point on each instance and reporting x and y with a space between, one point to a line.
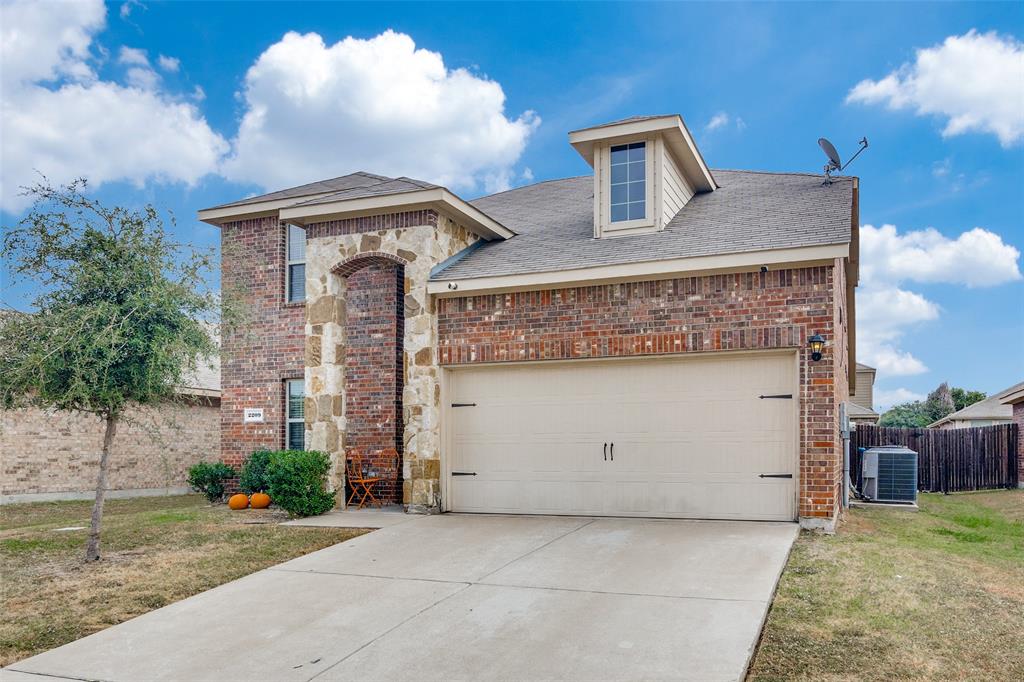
295 280
295 433
629 182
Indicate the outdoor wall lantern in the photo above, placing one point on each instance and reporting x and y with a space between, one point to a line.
816 344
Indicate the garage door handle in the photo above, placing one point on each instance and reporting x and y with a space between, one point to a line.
606 452
784 396
775 475
613 452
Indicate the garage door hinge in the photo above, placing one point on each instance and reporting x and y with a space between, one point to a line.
463 404
463 473
775 475
788 396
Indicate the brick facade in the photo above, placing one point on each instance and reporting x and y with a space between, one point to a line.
743 311
46 454
374 370
346 346
261 354
1018 419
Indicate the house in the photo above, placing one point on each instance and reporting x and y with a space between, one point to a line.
634 341
1015 398
987 412
861 408
55 455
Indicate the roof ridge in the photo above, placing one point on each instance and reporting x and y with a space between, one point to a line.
532 184
794 173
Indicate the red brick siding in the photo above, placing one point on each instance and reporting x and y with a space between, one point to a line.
1018 419
373 369
373 223
268 348
753 310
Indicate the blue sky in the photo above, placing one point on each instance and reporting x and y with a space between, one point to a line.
189 104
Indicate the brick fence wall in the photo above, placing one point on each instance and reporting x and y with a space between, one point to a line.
778 309
60 452
268 349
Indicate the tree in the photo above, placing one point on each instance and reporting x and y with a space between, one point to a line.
939 403
963 397
123 314
908 415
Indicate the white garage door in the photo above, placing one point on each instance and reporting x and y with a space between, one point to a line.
694 437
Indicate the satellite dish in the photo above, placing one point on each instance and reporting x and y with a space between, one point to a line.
830 151
834 162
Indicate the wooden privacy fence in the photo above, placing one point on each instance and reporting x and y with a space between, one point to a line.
948 460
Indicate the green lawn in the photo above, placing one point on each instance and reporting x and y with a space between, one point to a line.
896 595
156 550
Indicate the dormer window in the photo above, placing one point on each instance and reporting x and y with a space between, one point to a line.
629 182
646 169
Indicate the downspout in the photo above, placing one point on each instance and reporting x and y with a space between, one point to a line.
844 423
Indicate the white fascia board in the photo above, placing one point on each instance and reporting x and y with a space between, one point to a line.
219 215
436 197
649 270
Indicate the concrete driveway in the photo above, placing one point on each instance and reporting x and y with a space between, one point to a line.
466 597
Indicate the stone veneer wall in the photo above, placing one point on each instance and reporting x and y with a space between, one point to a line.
778 309
258 356
336 251
47 452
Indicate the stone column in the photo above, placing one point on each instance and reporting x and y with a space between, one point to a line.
325 373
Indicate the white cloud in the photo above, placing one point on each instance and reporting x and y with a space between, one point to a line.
719 120
973 81
382 105
976 258
169 64
58 119
133 56
884 399
723 120
885 311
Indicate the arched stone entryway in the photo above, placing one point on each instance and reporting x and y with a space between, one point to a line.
372 366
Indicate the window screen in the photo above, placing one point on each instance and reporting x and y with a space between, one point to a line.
296 278
629 182
296 415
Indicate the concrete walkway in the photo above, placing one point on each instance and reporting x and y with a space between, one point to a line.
466 597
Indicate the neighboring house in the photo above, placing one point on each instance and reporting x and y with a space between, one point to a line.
987 412
861 408
631 342
55 455
1014 397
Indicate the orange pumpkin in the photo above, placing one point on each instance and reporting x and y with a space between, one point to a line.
259 500
238 501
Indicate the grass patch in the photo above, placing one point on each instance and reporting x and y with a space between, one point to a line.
894 595
156 550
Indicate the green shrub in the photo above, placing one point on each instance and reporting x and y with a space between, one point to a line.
297 481
253 478
209 477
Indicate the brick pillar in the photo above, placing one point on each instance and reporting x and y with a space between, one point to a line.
1018 419
374 328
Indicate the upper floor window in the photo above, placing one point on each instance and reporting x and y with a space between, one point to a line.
295 280
629 182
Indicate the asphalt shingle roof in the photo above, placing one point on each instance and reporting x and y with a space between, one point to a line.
989 408
751 211
395 186
344 182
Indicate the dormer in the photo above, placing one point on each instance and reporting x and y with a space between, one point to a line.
645 169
